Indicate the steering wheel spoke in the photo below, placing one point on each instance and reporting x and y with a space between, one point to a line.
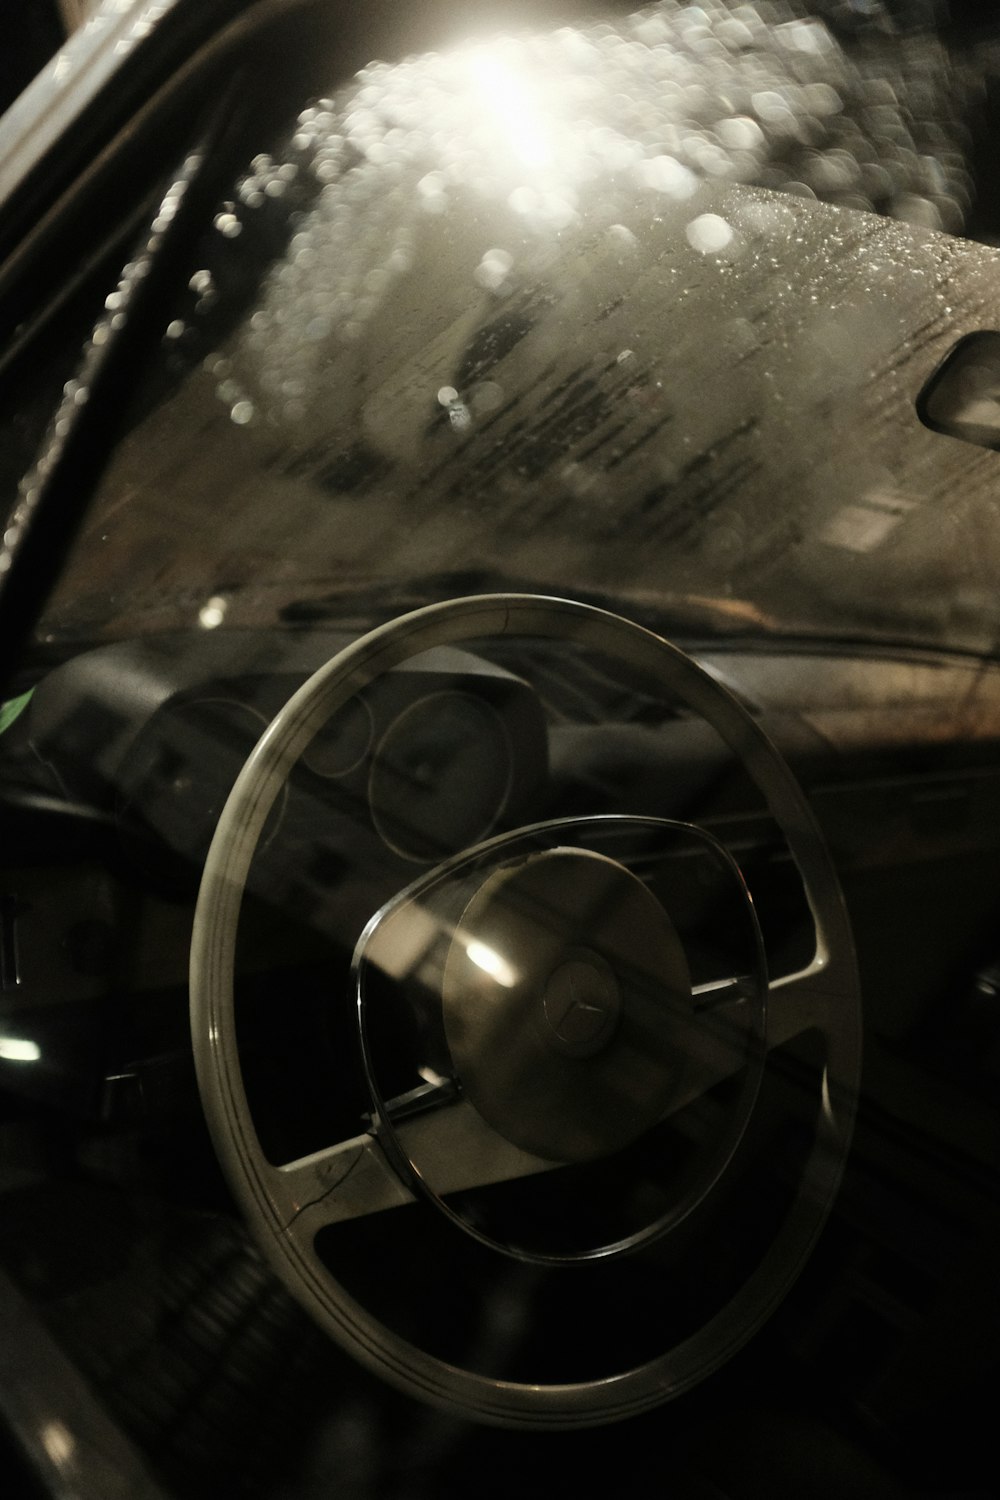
454 1145
346 1181
457 1150
817 997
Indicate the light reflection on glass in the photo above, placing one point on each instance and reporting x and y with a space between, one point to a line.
827 1105
213 612
18 1049
58 1443
491 963
658 102
512 107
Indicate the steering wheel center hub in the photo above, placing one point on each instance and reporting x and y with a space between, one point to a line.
565 994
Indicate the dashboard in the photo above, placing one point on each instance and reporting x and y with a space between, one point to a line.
126 754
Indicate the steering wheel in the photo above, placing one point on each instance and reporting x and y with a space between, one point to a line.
572 1031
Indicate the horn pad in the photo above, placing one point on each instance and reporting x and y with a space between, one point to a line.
566 998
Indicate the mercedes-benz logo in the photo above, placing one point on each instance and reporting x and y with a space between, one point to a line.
581 1005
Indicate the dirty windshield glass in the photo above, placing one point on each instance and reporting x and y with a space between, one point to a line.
509 316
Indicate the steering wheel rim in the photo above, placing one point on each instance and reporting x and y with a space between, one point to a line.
275 1200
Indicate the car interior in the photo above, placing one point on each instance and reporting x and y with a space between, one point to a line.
500 752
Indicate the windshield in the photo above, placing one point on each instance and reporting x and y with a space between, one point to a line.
510 316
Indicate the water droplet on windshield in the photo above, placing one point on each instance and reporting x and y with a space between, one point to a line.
213 612
493 270
709 234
